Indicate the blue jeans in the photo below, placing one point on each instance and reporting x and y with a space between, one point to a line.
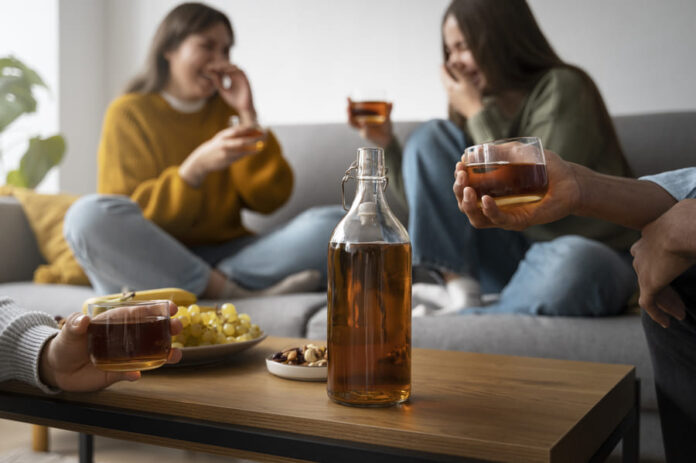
117 246
570 275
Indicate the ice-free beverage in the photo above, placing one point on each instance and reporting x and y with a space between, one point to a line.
129 336
508 183
369 112
369 326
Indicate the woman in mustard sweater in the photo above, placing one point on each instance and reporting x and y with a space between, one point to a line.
174 177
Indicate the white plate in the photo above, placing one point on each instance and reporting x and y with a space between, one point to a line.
297 372
216 353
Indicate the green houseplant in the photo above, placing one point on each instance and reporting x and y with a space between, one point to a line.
17 85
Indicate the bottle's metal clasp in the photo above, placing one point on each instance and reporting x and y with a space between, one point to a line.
351 173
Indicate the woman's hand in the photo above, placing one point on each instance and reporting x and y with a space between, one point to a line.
381 134
665 251
65 362
562 198
227 146
238 92
462 94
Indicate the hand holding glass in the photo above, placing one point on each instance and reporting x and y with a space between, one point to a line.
511 171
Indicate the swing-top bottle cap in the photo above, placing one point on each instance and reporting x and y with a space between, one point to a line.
371 162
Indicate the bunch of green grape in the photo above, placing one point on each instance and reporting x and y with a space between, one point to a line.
206 326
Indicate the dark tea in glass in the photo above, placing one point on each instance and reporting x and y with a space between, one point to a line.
511 171
369 112
129 336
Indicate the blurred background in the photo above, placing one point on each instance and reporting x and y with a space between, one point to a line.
304 56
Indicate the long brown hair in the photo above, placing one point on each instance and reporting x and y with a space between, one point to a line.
511 50
182 21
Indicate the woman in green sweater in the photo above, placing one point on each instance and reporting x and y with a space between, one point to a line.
503 80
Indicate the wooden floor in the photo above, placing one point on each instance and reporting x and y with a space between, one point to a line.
16 435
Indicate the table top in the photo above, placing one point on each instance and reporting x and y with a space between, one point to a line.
463 404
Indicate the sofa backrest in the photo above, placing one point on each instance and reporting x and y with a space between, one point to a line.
320 154
658 142
19 253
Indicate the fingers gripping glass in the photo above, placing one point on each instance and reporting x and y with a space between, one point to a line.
511 171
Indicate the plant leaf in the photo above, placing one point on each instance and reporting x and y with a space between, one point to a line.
42 155
14 177
16 96
10 64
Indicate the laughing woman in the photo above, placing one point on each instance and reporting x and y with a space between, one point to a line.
503 79
174 177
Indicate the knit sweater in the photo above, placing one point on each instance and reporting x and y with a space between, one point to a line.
563 113
22 337
144 141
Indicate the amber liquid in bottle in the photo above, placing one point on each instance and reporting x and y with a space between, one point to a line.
369 337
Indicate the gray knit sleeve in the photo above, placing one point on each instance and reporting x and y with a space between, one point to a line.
22 337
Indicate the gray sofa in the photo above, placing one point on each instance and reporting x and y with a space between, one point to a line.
319 155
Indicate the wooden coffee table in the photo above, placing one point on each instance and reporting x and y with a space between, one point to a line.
465 407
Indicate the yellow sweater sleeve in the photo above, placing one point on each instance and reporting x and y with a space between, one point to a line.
128 166
264 180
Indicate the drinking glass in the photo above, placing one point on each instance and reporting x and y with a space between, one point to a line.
511 171
129 336
368 106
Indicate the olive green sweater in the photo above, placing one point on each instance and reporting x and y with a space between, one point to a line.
563 113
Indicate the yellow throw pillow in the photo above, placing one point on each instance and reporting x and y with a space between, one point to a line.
45 214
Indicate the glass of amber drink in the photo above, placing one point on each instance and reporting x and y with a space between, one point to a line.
511 171
129 336
368 106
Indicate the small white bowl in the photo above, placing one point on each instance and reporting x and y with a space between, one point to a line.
296 372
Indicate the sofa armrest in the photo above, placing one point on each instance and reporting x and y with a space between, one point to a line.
19 253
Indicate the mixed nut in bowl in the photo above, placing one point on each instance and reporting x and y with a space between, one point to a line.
306 363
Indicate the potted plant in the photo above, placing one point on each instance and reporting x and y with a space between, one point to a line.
17 85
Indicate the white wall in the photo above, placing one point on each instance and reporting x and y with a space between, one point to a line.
29 31
639 52
82 90
303 56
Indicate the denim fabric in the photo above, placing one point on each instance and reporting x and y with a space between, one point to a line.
570 275
673 354
118 247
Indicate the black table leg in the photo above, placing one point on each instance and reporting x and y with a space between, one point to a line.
86 448
630 449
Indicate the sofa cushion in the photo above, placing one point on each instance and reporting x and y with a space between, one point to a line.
606 339
278 315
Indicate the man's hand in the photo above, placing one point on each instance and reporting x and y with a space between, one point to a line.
563 196
666 249
65 363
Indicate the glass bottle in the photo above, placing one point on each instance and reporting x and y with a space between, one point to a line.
369 295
